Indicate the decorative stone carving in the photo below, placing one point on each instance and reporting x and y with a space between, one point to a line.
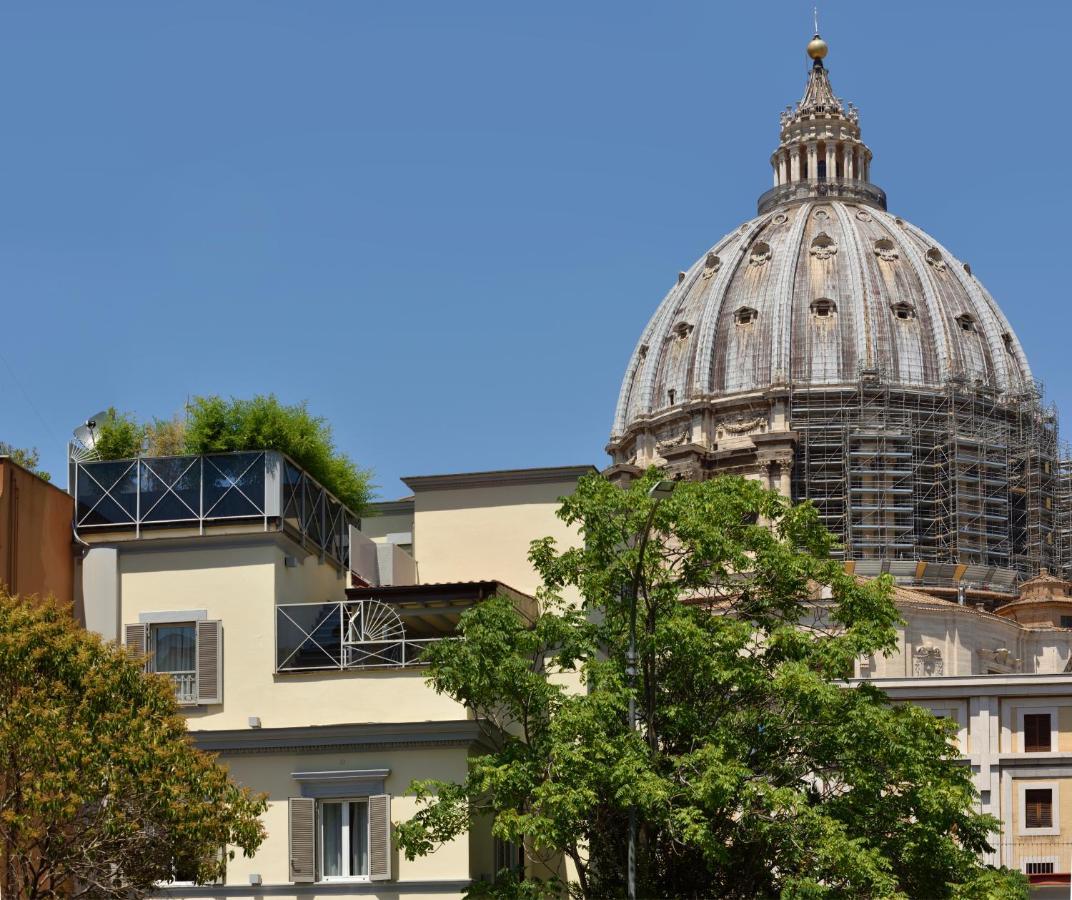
999 660
863 215
822 213
934 258
780 219
885 250
823 247
682 330
711 265
927 661
741 425
760 255
684 438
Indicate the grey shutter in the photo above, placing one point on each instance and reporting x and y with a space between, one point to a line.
302 839
210 661
379 817
136 639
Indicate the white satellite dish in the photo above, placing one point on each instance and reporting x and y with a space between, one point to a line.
83 447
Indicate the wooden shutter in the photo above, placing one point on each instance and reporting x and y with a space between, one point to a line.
136 640
1038 808
1037 733
379 815
210 661
302 839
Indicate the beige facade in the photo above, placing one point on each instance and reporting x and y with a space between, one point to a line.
302 671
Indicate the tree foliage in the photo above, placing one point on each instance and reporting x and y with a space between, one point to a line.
755 770
101 792
215 425
29 459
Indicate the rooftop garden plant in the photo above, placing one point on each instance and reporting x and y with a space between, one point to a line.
213 424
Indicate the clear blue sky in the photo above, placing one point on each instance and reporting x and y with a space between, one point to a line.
444 224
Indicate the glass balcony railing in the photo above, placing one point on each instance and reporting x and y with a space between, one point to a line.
202 491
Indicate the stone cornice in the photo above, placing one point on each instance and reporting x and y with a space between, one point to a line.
1013 685
548 475
323 738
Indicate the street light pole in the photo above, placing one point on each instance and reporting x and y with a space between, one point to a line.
659 492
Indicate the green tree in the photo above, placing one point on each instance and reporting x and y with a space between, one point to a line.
755 772
101 792
118 435
215 425
27 458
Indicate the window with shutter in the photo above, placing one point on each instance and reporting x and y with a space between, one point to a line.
302 839
210 661
1038 808
379 815
136 639
1037 733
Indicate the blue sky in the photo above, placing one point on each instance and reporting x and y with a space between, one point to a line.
445 224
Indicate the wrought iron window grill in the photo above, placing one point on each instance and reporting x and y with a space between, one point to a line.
349 634
211 489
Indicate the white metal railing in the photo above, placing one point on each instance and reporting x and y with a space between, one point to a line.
185 686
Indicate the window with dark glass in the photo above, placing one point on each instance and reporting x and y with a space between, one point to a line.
344 839
1037 733
1038 808
173 651
1038 868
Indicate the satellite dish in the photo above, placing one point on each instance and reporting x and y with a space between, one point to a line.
83 447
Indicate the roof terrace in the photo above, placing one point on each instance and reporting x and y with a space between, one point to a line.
130 499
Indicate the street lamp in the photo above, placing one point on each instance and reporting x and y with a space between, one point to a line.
658 492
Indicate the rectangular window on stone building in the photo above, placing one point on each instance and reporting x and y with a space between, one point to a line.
1037 733
1038 808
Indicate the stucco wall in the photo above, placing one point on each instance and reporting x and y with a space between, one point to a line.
472 533
240 584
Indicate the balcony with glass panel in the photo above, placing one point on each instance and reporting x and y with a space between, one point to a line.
380 627
195 495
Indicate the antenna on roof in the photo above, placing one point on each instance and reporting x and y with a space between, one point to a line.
83 447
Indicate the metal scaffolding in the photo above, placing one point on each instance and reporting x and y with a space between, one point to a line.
954 477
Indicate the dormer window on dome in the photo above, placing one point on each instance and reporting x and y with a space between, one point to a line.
966 322
761 253
745 315
903 311
823 246
823 308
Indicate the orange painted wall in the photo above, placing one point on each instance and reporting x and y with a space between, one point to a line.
36 544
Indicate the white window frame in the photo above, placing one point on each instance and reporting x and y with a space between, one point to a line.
345 803
1022 787
150 643
1021 742
1024 860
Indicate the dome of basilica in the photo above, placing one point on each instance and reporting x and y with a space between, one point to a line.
838 354
817 292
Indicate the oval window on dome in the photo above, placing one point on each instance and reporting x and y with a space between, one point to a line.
934 258
823 247
966 322
885 250
903 311
824 308
761 253
745 316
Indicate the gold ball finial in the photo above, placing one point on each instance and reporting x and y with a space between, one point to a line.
817 47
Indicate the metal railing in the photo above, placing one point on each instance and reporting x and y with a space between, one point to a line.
152 492
185 686
344 635
830 188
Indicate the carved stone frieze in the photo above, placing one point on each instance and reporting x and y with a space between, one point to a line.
927 661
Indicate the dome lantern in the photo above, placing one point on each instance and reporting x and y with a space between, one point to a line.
820 152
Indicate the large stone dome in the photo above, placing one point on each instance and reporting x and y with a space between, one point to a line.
816 293
841 355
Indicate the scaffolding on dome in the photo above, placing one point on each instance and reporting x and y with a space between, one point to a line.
936 486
